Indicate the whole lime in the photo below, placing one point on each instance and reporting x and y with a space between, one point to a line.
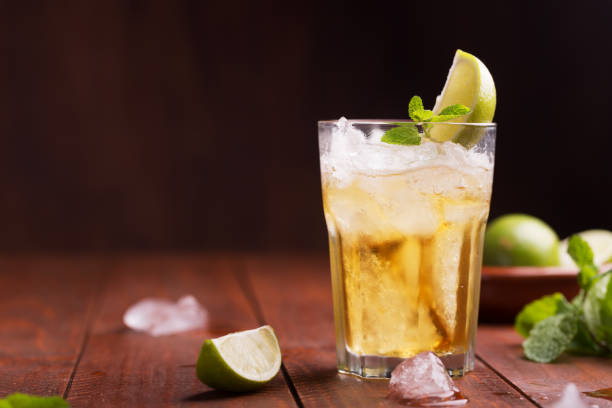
520 240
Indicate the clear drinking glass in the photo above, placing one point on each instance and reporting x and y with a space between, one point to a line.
406 226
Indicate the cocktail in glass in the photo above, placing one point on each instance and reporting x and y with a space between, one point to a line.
406 227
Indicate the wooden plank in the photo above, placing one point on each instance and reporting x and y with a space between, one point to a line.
501 348
121 367
45 302
294 295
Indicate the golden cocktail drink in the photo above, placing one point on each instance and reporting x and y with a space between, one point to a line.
406 227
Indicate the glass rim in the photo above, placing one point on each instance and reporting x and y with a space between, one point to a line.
333 122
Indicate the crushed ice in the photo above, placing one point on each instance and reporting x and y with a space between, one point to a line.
352 151
423 380
571 399
159 317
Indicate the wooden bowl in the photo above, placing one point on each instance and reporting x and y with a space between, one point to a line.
505 290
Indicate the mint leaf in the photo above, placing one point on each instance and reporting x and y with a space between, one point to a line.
18 400
443 118
598 309
539 310
415 105
581 253
402 135
422 115
583 342
451 112
550 337
579 299
416 110
455 110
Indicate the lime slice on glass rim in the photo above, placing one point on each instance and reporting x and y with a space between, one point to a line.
469 83
242 361
600 242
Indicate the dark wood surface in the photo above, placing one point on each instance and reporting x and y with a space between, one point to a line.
61 333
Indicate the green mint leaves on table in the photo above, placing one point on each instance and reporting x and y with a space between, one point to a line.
410 133
539 310
550 337
19 400
552 325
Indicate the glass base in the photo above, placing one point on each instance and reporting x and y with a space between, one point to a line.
381 367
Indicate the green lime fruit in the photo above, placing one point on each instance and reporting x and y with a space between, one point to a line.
240 362
469 83
600 242
520 240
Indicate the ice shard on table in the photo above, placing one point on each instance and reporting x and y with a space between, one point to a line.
159 317
423 379
570 398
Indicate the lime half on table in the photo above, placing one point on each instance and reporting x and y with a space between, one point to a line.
242 361
469 83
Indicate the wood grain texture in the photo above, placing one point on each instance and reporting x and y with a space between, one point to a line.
45 304
50 306
294 295
501 348
314 374
295 292
121 367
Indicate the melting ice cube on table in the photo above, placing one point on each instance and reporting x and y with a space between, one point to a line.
159 317
423 380
571 398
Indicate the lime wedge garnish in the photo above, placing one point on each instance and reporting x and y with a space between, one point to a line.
469 83
242 361
600 242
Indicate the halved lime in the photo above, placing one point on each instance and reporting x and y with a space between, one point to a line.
242 361
469 83
600 242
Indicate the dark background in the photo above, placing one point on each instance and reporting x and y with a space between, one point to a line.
135 125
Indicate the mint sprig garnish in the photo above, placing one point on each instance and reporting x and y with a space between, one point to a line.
407 133
552 325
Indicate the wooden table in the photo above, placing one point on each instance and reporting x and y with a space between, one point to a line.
61 332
